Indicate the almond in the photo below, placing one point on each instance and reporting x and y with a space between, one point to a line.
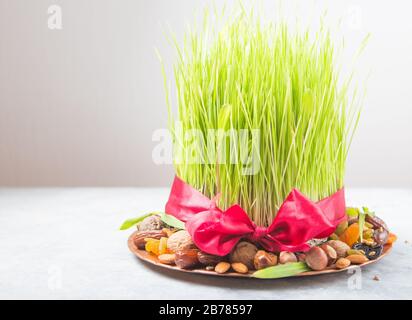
357 259
342 263
167 258
340 247
240 267
222 267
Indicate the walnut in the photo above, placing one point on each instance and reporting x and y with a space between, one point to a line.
151 223
180 240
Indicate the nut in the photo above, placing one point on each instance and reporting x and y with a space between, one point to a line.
180 240
208 259
168 231
240 267
355 251
286 257
340 247
167 258
244 252
187 258
301 257
357 258
151 223
139 239
316 259
330 253
264 259
222 267
342 263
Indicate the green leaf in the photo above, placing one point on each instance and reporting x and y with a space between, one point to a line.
361 222
352 212
133 221
281 271
368 212
172 221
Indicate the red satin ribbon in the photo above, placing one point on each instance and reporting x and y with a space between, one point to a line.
217 232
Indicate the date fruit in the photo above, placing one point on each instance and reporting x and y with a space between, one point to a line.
187 258
208 259
139 239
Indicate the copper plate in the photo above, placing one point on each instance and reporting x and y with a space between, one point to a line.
144 255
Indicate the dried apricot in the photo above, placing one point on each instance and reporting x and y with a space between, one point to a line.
350 235
152 246
163 245
392 238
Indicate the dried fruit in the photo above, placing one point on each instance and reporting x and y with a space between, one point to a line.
152 245
357 258
342 263
340 247
244 252
180 240
139 239
287 257
264 259
167 258
163 245
316 259
351 234
186 258
371 252
208 259
330 253
152 222
391 238
376 222
222 267
240 267
381 235
341 227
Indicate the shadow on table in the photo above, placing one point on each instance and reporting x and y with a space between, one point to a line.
245 283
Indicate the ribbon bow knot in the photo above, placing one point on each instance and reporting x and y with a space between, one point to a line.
216 232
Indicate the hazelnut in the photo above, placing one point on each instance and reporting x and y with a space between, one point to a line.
316 259
180 240
330 253
286 257
244 252
264 259
340 247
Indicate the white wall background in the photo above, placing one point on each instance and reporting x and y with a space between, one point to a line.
78 106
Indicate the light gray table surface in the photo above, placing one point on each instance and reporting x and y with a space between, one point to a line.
64 243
